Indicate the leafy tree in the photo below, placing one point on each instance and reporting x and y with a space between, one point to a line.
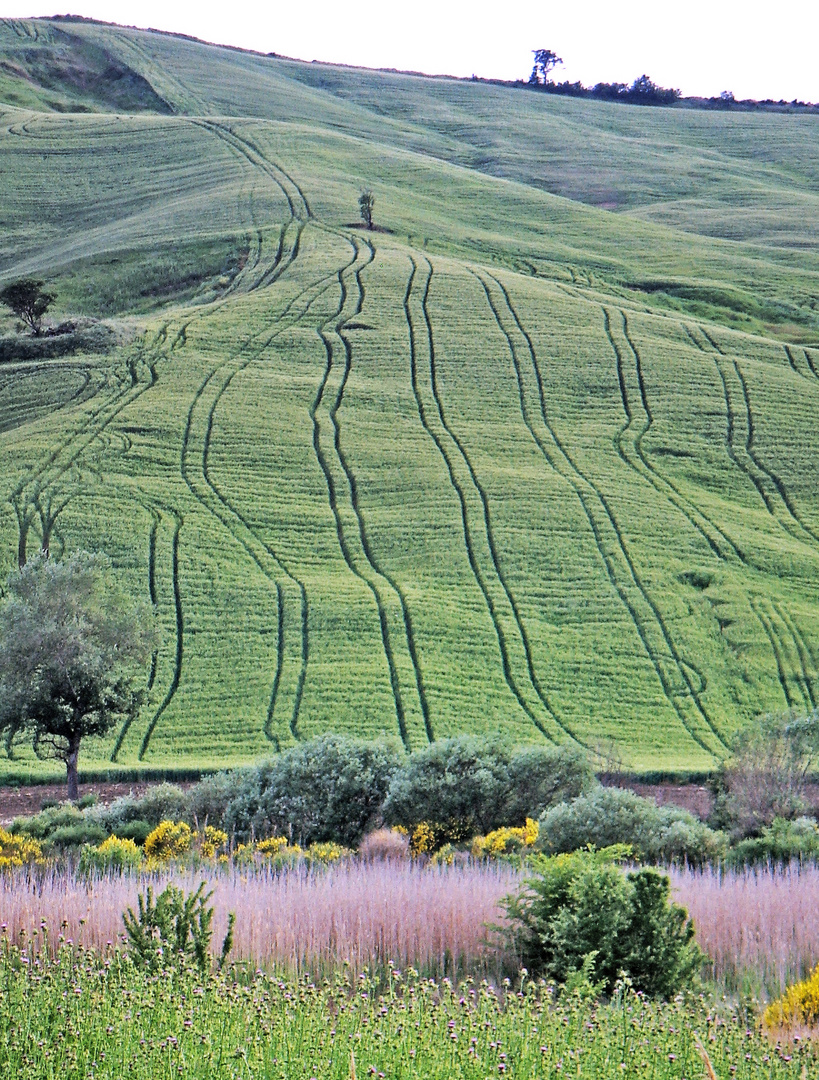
464 780
545 63
581 913
366 204
541 777
71 645
331 788
479 783
28 302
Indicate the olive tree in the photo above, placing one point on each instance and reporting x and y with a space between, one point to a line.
71 648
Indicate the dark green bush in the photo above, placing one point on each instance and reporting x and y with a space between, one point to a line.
464 780
542 776
781 843
331 788
480 783
138 831
583 913
656 834
68 836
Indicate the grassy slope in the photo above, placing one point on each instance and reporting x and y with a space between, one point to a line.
460 476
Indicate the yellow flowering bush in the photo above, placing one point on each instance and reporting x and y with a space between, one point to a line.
276 851
169 840
505 841
18 850
798 1005
327 853
428 836
274 845
112 854
211 841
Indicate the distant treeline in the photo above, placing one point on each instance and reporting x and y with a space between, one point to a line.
645 92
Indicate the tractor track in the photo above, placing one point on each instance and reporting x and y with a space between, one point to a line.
623 574
352 537
472 502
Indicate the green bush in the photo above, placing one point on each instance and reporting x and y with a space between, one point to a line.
41 826
207 801
482 784
464 780
542 776
69 836
583 913
138 831
174 930
329 789
161 802
656 834
781 843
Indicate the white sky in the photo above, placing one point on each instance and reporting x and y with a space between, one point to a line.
701 46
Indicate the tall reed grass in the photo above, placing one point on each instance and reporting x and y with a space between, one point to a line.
759 929
365 914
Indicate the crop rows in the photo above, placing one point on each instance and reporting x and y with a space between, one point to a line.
373 487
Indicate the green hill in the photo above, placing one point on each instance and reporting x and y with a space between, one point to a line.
539 454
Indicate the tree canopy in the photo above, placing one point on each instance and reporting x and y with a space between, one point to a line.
71 648
28 301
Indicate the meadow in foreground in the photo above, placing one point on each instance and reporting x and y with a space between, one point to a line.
83 1016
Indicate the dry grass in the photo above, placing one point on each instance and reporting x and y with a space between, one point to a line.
366 914
760 930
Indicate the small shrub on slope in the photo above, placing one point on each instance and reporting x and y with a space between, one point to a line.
581 913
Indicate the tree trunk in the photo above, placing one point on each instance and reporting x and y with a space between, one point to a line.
71 770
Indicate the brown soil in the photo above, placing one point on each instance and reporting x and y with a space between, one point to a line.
19 801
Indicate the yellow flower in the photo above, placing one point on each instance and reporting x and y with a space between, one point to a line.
169 840
798 1005
18 850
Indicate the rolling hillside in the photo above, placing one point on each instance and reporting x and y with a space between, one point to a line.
539 454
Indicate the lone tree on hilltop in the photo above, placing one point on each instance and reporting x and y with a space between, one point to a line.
545 63
28 302
71 646
366 204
